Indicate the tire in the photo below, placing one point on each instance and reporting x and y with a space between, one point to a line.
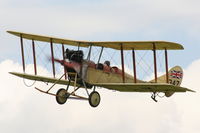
62 96
94 99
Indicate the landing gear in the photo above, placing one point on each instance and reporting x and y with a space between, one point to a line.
154 96
61 96
94 99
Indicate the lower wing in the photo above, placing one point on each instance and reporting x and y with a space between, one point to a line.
43 79
123 87
143 87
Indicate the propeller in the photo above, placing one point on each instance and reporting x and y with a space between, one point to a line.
49 58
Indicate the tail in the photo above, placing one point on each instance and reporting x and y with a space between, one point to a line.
175 76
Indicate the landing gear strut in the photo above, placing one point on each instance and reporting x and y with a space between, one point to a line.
154 96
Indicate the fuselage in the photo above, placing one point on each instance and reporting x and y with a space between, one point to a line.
93 73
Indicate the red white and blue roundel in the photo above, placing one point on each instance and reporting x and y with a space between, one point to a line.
176 74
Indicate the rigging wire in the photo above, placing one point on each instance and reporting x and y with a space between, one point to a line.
146 68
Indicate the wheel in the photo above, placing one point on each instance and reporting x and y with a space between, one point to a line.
94 99
62 96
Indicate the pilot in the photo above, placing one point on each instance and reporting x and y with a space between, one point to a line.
107 63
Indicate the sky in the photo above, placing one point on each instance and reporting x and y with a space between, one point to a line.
26 110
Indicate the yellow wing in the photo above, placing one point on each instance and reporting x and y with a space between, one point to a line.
123 87
127 45
43 79
143 87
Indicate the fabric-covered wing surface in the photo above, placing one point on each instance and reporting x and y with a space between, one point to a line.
127 45
43 79
49 39
143 87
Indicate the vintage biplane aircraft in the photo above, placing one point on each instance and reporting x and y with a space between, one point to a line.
81 72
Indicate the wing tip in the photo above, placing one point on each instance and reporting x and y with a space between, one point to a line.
14 33
190 90
14 73
11 73
8 31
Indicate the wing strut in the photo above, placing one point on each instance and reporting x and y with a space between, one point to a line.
122 60
134 66
22 52
100 55
155 64
34 58
63 53
89 53
166 65
52 56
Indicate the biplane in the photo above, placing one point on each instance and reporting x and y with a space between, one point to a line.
83 73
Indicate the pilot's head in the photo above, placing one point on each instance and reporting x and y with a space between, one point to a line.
107 63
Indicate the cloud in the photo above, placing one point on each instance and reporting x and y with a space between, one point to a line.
24 108
188 107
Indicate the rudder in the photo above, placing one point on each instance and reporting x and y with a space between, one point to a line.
175 75
175 78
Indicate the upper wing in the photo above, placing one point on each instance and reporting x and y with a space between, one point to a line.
127 45
140 45
49 39
43 79
143 87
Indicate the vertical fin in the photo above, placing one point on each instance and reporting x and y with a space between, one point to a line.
176 75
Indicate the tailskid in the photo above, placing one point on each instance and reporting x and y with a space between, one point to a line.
153 96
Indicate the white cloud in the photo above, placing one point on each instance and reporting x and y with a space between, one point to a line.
188 105
24 108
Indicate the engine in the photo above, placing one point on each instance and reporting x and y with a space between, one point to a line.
76 56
